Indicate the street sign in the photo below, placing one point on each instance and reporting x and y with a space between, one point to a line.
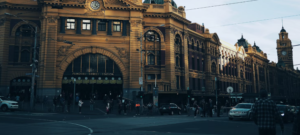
141 80
229 89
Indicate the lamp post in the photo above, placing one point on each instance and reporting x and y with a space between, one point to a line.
33 60
74 94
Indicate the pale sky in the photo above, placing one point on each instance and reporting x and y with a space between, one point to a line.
264 33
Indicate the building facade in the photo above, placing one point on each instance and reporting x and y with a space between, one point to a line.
99 43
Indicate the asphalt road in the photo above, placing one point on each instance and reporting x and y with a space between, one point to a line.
20 123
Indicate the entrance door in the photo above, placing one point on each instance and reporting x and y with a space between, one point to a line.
96 75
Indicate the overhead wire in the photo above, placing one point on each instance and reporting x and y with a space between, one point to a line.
226 4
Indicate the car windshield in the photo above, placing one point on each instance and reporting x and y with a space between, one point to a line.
243 106
281 108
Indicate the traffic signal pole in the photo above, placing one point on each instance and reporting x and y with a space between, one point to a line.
33 71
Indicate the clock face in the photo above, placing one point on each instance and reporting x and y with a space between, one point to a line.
95 5
283 52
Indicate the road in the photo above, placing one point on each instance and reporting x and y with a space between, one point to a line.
21 123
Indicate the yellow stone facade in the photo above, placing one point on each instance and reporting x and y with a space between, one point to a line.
180 54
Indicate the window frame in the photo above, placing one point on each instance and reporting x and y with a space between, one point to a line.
86 24
100 25
115 26
69 23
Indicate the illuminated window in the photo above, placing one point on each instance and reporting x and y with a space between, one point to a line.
117 26
70 24
86 24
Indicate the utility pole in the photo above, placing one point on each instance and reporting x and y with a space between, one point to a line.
33 71
141 51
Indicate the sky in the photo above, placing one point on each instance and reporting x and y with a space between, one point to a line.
264 33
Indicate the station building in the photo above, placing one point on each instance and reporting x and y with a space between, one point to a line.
99 43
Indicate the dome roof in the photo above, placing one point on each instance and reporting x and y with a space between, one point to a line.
243 42
160 2
282 30
257 47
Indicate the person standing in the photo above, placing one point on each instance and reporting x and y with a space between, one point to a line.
195 105
92 102
210 107
137 108
150 108
107 108
129 106
265 115
80 103
54 103
203 105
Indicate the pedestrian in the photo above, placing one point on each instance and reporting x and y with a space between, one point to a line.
129 106
69 102
195 105
80 103
265 115
92 102
150 108
120 107
296 129
107 108
137 108
210 107
227 105
218 108
18 98
125 107
62 103
54 104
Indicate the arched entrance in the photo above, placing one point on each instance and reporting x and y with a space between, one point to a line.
20 86
95 74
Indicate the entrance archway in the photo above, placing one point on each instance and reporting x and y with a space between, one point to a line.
20 86
95 74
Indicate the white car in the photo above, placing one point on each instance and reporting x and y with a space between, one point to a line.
6 104
241 111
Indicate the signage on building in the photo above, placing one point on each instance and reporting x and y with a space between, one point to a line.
141 80
229 89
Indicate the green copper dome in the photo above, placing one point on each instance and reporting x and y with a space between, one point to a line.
160 2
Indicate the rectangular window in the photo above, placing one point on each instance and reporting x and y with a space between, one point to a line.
86 24
194 84
117 26
198 64
158 76
151 76
193 63
158 59
70 24
101 26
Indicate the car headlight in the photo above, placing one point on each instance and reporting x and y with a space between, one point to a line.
282 114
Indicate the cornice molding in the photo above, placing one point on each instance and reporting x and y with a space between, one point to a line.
168 15
18 6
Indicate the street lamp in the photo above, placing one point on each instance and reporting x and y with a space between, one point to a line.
74 93
34 60
141 52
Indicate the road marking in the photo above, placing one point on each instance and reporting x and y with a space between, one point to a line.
71 123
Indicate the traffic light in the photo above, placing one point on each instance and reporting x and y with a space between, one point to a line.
141 94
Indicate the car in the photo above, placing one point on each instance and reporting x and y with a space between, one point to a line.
241 111
170 108
286 112
6 104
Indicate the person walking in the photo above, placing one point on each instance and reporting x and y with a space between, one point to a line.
92 102
80 103
149 108
137 108
265 115
125 107
196 107
227 105
296 129
107 108
210 107
203 105
54 103
129 107
218 108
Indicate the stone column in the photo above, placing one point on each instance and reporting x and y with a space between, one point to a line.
170 57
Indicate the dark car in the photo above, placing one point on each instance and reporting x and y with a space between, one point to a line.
169 108
286 113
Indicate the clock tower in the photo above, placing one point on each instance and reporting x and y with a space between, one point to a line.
285 49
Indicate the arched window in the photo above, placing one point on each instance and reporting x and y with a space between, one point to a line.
151 59
198 46
213 67
177 61
193 45
24 40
